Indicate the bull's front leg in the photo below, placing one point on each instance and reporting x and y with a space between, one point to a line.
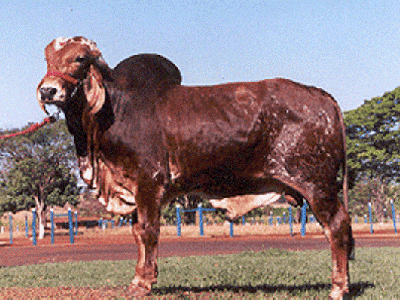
146 231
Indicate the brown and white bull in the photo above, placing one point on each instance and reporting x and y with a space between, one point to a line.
142 139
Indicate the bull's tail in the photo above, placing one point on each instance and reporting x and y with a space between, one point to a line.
344 166
345 182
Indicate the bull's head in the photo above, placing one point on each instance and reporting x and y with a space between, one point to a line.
73 63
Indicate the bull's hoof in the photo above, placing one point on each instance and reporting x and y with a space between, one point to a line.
137 291
343 297
338 294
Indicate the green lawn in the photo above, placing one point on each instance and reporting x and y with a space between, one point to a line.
375 274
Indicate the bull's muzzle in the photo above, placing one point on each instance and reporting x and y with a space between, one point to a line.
47 93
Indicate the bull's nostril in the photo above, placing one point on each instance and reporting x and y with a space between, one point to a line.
53 91
47 92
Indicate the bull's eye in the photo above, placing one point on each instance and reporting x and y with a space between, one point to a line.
80 59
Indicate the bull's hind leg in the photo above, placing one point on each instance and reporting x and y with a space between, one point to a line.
337 225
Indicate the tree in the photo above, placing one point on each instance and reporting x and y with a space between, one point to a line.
377 193
36 171
373 139
89 206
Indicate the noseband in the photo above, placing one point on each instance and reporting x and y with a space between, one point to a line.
67 78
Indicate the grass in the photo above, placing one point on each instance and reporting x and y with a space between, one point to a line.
278 274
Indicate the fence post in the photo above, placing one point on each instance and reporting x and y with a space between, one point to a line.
231 229
11 227
71 228
291 220
200 210
178 220
101 223
34 226
26 226
76 223
303 218
52 225
393 215
370 216
271 218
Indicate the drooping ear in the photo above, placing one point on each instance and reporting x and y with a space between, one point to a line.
94 90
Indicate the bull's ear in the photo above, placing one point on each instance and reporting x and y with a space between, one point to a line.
94 90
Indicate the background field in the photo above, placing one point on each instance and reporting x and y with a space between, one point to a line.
250 275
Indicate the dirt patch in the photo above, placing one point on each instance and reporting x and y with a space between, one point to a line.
64 293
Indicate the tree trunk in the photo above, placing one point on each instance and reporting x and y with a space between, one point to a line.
42 219
379 200
42 223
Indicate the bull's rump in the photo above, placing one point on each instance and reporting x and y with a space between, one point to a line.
241 131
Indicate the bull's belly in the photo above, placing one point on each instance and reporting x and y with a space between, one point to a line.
237 195
240 205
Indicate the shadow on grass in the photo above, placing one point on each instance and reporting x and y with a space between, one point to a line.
356 289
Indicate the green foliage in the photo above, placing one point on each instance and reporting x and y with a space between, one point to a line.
373 138
376 192
168 214
36 169
30 178
90 206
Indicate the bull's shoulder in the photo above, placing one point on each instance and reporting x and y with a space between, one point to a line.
147 71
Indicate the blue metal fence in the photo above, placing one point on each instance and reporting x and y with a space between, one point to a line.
393 216
279 220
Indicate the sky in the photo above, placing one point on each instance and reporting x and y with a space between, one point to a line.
351 49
